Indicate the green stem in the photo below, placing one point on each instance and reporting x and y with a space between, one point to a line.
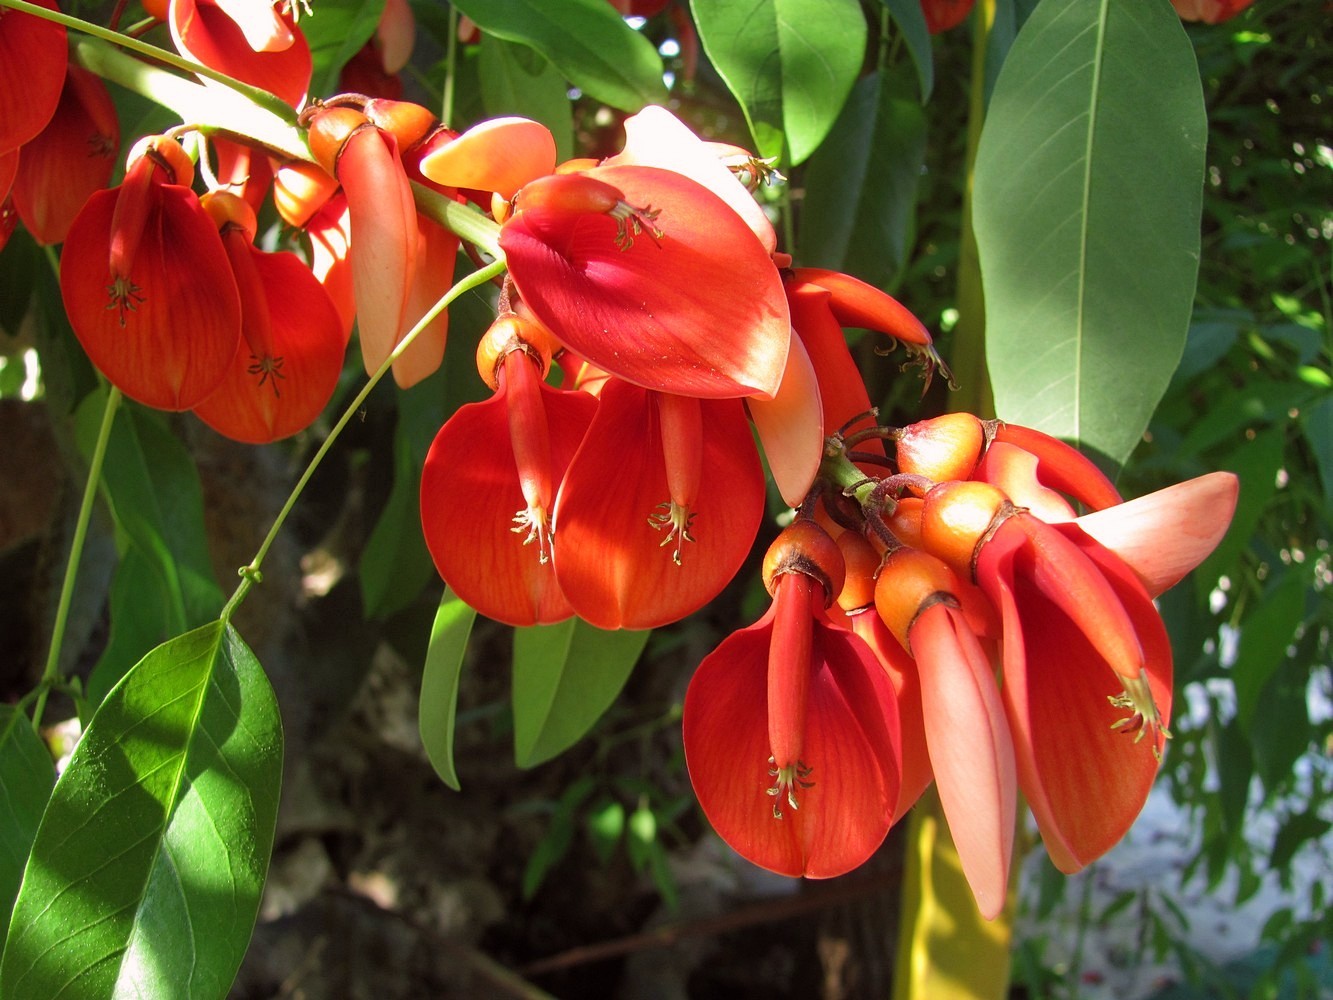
252 573
464 222
450 68
51 674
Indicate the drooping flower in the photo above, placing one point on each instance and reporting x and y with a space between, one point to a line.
651 277
293 345
33 57
70 159
658 509
791 727
147 284
255 41
489 483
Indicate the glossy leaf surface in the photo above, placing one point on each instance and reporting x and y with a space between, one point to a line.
146 873
1088 189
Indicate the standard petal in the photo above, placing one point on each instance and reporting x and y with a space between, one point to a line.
971 751
203 32
434 276
611 563
1164 535
470 494
697 310
499 155
33 57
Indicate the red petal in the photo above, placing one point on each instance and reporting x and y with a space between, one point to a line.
858 304
1164 535
33 57
1062 466
282 379
470 493
698 311
183 327
1015 470
971 751
791 428
204 33
850 745
71 158
330 230
499 155
610 561
434 276
1084 780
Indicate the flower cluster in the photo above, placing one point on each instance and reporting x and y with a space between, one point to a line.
950 620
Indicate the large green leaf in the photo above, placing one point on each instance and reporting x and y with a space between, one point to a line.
860 185
565 677
790 64
1088 188
437 711
518 80
585 40
152 487
146 874
26 777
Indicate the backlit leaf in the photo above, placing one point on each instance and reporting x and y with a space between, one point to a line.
439 684
26 777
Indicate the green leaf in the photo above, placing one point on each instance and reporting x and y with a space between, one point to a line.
336 30
518 80
152 487
395 563
789 63
140 619
1088 189
559 837
146 873
439 683
1264 638
1317 423
585 40
1256 462
907 14
565 677
861 185
26 777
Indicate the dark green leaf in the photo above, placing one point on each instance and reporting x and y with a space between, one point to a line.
907 14
861 185
1280 729
518 80
1317 422
395 563
1088 188
26 777
789 63
1264 637
152 487
140 619
585 40
147 869
1255 462
559 836
335 31
565 677
439 683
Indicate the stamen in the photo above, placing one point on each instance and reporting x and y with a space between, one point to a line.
265 367
789 778
631 221
124 295
668 512
1144 718
537 524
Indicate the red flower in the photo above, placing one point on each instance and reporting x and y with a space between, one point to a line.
658 509
791 727
652 278
71 158
147 284
489 482
288 366
33 57
941 15
255 41
1209 11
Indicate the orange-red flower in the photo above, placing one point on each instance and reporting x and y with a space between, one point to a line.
1209 11
255 41
941 15
33 56
293 346
70 159
791 727
147 284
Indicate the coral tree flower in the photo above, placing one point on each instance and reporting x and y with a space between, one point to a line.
1209 11
942 15
651 277
147 284
791 727
71 158
489 483
255 41
293 345
33 57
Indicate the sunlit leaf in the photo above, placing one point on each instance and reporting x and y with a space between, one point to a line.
565 677
790 64
439 684
518 80
585 40
146 873
26 777
1088 188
